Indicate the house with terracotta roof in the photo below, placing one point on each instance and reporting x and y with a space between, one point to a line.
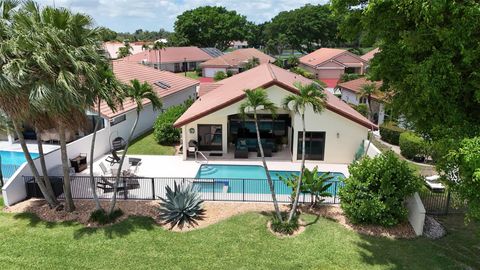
233 61
351 94
369 55
172 89
213 124
174 59
328 64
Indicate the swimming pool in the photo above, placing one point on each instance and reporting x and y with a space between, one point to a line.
249 179
11 161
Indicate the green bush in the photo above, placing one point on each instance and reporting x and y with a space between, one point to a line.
163 130
391 133
412 145
285 227
199 72
229 73
219 75
303 72
102 217
376 190
362 109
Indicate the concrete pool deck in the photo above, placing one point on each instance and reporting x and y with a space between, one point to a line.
174 166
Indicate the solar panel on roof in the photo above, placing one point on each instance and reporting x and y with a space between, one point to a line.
162 85
213 52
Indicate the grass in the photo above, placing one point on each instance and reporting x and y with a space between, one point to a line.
191 74
239 242
146 145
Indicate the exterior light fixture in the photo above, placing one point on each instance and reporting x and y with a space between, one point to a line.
191 130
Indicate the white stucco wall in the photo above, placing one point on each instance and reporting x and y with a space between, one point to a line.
209 72
338 149
352 98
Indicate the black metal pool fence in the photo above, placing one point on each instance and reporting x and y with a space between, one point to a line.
214 189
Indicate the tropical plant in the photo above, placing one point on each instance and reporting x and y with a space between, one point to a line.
303 72
137 93
284 227
182 205
110 91
124 51
251 63
367 91
158 47
345 77
163 130
313 96
256 100
376 190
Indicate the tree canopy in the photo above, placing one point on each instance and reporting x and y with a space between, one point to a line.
305 29
209 26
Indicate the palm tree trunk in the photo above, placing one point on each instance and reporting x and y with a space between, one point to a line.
1 173
32 166
117 178
160 59
269 178
302 169
93 185
43 165
69 205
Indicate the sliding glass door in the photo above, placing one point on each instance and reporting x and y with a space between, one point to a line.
210 137
314 145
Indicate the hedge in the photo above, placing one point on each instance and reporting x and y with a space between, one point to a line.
412 145
376 189
391 133
163 130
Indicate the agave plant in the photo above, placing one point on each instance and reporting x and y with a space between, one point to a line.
182 205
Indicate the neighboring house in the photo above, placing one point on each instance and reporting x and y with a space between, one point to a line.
329 64
174 59
173 89
112 47
213 121
369 55
350 93
233 61
237 44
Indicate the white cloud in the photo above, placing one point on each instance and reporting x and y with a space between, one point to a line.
128 15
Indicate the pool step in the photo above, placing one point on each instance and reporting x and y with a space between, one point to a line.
207 170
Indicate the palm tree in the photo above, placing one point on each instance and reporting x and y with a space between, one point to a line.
124 51
310 95
158 47
137 93
367 91
110 91
258 100
251 63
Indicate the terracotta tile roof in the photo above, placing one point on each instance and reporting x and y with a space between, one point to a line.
331 83
112 48
171 55
238 58
232 89
369 55
319 56
356 85
207 87
127 71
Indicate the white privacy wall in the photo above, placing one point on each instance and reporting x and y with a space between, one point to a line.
14 191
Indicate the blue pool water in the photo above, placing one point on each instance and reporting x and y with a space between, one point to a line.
12 160
232 177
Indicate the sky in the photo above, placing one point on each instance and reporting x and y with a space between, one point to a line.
130 15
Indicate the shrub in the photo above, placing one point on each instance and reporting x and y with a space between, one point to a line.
284 227
362 109
102 217
349 77
199 71
302 72
163 130
412 145
182 205
391 133
219 75
229 73
376 189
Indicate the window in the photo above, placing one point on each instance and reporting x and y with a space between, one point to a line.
118 120
192 65
209 137
363 100
314 145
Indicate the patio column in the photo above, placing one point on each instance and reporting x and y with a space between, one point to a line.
184 142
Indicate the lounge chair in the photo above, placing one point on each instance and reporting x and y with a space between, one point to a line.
241 149
123 185
114 158
104 169
134 161
433 182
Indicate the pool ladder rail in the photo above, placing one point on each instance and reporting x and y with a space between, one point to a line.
205 161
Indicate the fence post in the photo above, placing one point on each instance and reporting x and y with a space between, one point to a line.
243 189
213 189
125 190
153 188
447 206
335 193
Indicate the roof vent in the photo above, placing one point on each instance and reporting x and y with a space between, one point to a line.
162 85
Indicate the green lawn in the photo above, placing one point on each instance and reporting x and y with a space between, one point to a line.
239 242
146 145
191 74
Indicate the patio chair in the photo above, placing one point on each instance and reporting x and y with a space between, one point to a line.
134 161
104 169
118 144
114 158
241 149
267 151
107 186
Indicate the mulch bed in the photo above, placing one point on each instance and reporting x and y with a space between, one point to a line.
214 213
